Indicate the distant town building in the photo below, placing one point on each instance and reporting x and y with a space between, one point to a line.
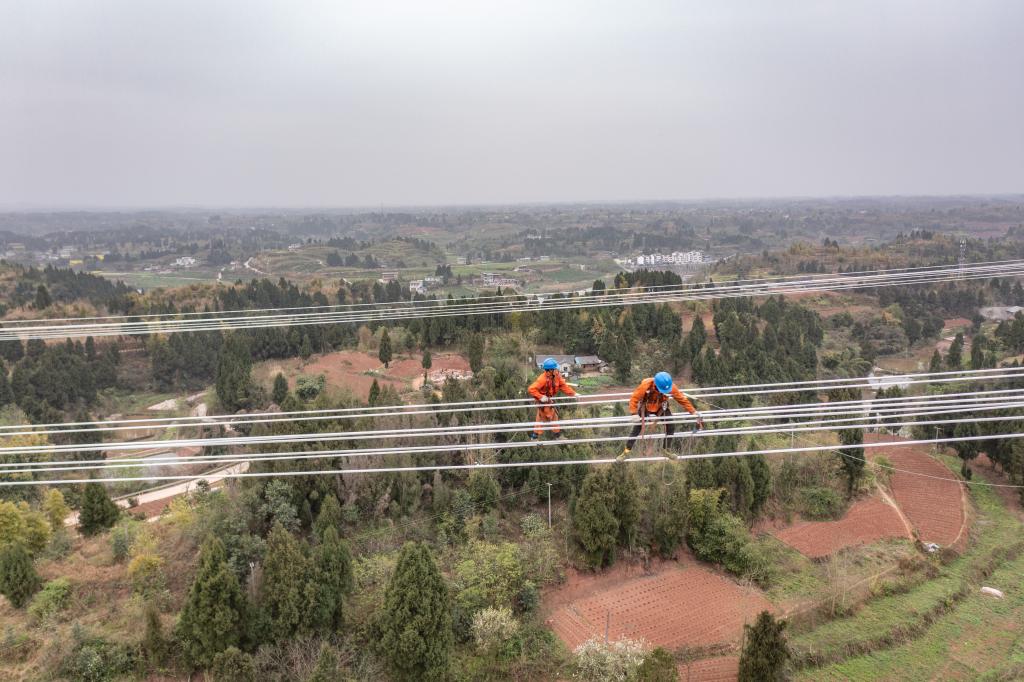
572 364
416 287
460 260
674 258
294 247
185 262
495 279
388 277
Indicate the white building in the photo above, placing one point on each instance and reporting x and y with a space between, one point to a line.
185 262
416 287
674 258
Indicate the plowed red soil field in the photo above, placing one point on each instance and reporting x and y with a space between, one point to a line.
723 669
935 508
672 607
866 521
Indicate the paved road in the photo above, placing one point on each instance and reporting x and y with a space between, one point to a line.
173 490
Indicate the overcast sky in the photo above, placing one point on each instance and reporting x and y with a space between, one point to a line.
332 104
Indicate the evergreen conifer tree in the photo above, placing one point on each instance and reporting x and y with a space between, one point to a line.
426 363
234 374
415 623
43 299
936 363
475 353
593 519
384 352
329 516
852 456
306 349
18 577
98 511
626 507
329 581
280 391
213 616
282 589
374 395
765 651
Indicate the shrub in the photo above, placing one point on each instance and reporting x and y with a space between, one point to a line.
821 504
122 537
147 574
233 665
94 659
720 537
53 599
658 666
883 469
489 575
55 508
620 661
492 628
309 387
765 652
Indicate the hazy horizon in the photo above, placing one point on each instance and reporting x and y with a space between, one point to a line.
118 105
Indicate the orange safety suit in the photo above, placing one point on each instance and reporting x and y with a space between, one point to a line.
548 384
653 399
654 403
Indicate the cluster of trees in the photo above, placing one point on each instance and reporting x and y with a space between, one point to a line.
776 341
47 381
65 285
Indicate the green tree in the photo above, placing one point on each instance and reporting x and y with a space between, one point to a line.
43 299
954 357
55 508
98 511
658 666
155 647
966 450
475 352
384 352
851 456
326 669
415 624
306 349
483 490
936 364
18 577
593 519
374 395
213 616
233 665
761 473
329 516
330 580
280 391
426 363
765 651
282 589
626 507
234 374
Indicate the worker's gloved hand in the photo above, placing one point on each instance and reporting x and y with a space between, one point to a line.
700 422
545 399
636 418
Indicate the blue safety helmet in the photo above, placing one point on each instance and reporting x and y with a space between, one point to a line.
663 382
551 364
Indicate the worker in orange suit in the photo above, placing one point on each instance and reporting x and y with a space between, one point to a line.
544 389
650 401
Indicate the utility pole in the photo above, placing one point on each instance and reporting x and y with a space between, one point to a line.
549 505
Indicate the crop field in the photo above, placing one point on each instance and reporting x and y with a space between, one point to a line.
934 507
675 606
867 521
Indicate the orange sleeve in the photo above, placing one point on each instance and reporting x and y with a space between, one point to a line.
563 386
683 400
534 389
638 395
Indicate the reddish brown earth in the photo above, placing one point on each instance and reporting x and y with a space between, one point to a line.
347 369
412 367
675 605
934 507
957 324
722 669
867 520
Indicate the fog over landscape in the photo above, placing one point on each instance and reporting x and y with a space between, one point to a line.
325 104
